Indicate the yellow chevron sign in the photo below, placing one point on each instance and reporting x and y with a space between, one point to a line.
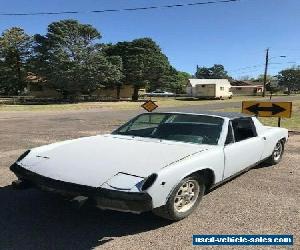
267 109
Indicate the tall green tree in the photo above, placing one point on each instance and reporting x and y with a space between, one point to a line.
70 58
176 81
144 64
15 50
217 71
290 78
180 82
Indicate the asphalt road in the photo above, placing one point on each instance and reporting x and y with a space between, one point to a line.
265 200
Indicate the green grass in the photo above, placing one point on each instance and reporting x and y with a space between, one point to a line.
292 123
123 105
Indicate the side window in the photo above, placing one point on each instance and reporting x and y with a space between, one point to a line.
243 129
229 138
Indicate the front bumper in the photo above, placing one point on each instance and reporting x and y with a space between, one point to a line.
103 198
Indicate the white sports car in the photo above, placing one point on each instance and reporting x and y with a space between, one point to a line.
163 162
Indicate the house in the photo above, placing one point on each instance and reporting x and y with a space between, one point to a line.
239 87
37 87
102 93
126 92
209 88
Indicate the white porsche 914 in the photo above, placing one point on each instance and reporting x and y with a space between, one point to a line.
164 162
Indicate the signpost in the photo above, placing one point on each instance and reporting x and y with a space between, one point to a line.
268 109
149 105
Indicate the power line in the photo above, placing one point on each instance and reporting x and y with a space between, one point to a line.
275 67
248 67
118 10
238 70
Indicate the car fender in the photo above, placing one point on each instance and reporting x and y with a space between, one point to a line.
169 177
272 135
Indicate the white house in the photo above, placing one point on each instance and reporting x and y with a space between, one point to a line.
209 88
242 87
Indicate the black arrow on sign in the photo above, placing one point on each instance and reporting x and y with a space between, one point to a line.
275 109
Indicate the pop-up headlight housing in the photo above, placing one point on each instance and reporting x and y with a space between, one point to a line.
129 183
123 182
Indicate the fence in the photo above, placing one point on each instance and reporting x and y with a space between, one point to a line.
31 100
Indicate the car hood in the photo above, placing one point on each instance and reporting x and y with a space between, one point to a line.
94 160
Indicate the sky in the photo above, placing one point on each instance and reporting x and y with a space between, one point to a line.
233 34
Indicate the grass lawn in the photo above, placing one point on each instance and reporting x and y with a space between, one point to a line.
123 105
292 123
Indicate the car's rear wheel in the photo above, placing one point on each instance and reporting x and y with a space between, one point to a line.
277 153
183 200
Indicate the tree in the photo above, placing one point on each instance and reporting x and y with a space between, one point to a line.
176 81
273 86
215 72
116 81
144 64
260 78
70 58
15 49
290 78
181 82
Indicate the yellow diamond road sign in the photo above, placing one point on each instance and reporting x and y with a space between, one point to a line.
267 109
149 106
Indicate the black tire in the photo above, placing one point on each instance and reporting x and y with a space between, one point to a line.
277 153
169 212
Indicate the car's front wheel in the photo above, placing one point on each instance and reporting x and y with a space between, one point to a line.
183 200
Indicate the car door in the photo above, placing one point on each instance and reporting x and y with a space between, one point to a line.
243 148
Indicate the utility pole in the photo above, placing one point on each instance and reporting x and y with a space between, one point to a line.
266 72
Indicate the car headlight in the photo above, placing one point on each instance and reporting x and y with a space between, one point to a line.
22 156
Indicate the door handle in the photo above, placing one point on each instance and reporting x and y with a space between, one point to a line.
264 138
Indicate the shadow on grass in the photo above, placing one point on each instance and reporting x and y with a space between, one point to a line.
31 219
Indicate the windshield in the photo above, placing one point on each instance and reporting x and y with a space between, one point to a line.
201 129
